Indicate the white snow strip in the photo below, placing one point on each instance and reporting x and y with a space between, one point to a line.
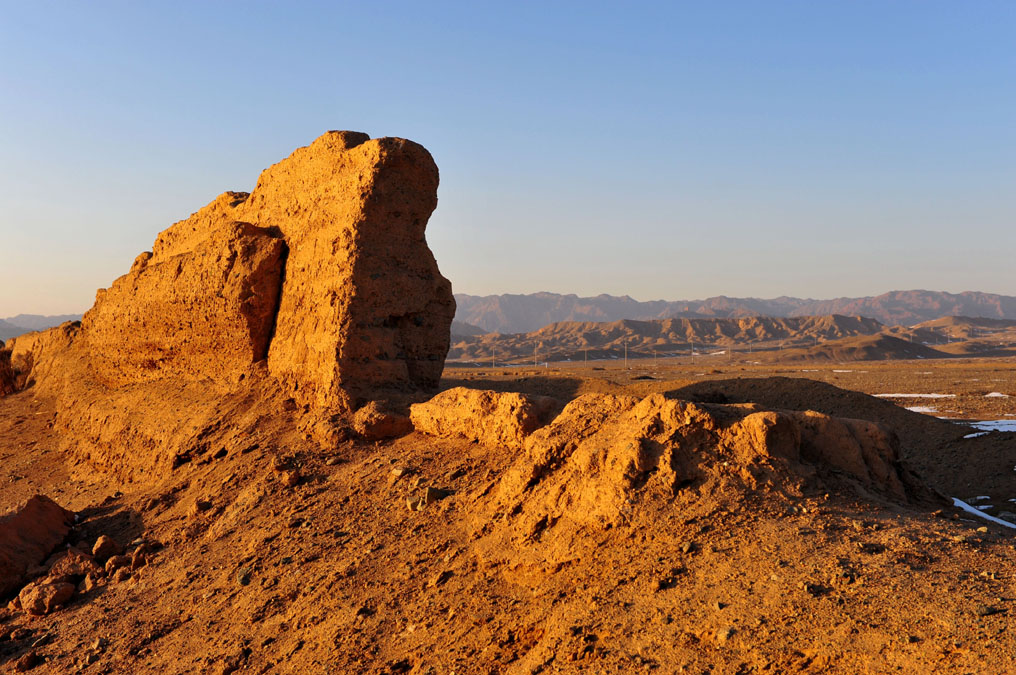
980 498
996 394
915 395
809 370
922 409
995 425
979 433
842 371
985 507
960 504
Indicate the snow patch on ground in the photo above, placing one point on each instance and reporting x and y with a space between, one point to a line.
996 394
915 395
959 503
922 409
995 425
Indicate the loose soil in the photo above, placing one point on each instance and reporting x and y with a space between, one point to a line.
279 553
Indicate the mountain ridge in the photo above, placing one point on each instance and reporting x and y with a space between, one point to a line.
522 313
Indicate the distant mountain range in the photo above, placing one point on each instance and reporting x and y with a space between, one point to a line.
784 339
526 313
14 326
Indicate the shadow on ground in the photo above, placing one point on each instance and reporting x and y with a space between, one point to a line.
562 388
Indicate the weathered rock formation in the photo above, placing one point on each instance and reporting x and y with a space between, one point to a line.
318 285
604 458
323 270
488 417
363 307
27 537
373 423
202 309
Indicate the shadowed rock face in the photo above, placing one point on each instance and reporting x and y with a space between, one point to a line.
27 536
323 269
7 380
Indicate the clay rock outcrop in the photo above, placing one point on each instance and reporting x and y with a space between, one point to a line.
40 356
45 595
605 455
373 423
363 307
324 269
487 417
201 310
27 537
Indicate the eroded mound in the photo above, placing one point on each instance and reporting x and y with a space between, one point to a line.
605 458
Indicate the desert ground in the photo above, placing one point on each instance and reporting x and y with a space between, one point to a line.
333 573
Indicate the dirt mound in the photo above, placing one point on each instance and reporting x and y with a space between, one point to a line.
596 465
280 555
488 417
27 537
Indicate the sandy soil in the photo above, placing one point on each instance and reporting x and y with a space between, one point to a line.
278 554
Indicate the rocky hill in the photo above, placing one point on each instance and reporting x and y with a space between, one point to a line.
524 313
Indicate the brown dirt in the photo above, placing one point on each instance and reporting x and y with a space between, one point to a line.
281 555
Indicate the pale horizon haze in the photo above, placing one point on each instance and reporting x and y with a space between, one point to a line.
657 150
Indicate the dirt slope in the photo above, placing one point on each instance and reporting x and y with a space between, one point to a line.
279 554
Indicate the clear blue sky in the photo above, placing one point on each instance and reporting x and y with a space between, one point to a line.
672 150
